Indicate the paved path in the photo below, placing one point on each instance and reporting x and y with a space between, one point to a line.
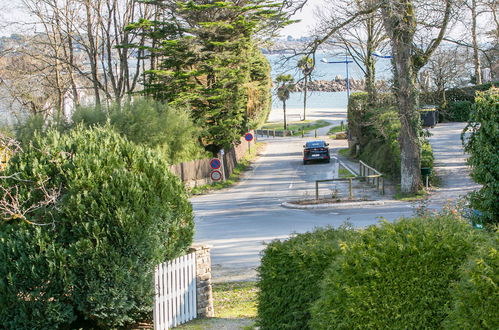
450 163
237 220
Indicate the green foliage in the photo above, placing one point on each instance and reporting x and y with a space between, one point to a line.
457 111
376 130
164 128
208 61
476 296
426 155
458 101
290 274
86 259
481 141
396 275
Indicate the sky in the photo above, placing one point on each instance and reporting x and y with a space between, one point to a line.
8 12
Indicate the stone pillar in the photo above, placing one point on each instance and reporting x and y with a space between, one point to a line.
203 280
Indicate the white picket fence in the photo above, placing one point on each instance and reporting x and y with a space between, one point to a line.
175 300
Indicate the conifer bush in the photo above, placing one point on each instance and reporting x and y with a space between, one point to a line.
290 276
396 275
475 298
86 260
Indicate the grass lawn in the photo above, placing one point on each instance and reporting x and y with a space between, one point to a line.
420 195
298 126
236 174
344 173
344 152
234 304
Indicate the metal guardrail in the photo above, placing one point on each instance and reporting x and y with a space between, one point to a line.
364 170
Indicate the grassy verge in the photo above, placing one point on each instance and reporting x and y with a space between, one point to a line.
234 304
344 152
243 165
297 126
420 195
235 299
344 173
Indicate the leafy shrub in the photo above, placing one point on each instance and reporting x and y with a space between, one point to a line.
426 155
396 275
481 141
87 259
457 111
290 274
476 297
167 129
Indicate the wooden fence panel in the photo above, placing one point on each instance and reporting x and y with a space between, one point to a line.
175 299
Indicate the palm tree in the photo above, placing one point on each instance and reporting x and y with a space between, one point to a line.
306 66
284 86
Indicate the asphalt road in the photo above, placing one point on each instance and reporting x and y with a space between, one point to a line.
237 221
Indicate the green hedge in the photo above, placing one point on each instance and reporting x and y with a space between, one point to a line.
396 276
290 274
481 141
87 260
376 131
476 296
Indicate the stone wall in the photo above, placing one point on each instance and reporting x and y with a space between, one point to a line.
204 290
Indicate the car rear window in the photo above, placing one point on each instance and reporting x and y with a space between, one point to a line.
315 144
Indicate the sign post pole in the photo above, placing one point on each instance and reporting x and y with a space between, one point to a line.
222 153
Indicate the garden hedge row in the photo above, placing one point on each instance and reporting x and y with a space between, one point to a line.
290 274
86 259
423 272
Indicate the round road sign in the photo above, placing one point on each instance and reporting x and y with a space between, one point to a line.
216 175
248 137
215 163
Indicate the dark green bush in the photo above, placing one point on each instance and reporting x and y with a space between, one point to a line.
290 274
457 111
396 275
475 298
88 258
481 141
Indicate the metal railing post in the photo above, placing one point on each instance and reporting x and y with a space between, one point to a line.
350 188
316 189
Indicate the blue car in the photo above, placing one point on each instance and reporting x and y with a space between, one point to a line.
316 150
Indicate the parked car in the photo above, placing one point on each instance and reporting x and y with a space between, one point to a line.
316 150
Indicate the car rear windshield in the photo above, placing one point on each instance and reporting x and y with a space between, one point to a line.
315 144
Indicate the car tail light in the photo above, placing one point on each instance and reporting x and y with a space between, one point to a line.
323 149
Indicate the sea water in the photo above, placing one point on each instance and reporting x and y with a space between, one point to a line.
283 64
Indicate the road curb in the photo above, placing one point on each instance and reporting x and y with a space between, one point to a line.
330 205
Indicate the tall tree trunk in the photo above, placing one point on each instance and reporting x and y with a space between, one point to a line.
476 56
400 23
305 87
93 52
370 63
284 109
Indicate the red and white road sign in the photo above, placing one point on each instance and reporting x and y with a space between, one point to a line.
216 175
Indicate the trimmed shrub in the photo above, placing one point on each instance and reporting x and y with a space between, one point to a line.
456 111
476 296
86 260
290 274
481 141
396 275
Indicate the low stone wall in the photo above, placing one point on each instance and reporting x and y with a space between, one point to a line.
204 291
